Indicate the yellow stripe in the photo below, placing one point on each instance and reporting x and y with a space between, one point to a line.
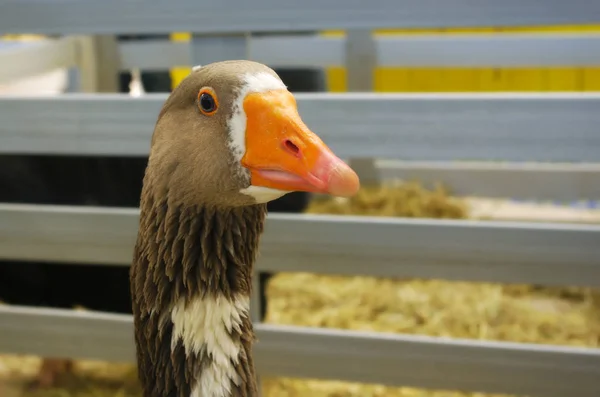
460 79
180 73
477 79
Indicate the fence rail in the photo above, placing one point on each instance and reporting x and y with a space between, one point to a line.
232 16
18 60
460 50
418 361
503 126
552 254
293 51
527 181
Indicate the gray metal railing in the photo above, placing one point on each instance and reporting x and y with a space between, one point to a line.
410 136
438 129
535 370
464 50
293 51
510 252
239 16
446 127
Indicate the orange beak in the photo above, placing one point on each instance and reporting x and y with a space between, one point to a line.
282 153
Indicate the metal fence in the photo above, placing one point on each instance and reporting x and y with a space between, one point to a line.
393 135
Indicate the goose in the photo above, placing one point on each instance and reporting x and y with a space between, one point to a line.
228 140
93 181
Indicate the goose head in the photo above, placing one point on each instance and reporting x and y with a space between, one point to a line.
227 140
231 135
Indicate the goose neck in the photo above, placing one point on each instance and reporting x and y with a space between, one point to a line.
191 281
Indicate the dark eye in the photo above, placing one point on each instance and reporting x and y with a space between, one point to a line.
207 101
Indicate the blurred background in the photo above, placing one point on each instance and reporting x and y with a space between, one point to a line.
526 312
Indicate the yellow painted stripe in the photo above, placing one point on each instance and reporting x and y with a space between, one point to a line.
180 73
460 79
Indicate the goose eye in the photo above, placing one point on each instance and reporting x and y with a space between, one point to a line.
207 101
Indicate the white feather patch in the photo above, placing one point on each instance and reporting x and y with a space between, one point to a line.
260 82
263 194
204 326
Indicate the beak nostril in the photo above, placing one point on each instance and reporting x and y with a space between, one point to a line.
291 147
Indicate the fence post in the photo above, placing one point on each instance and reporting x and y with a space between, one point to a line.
99 64
361 61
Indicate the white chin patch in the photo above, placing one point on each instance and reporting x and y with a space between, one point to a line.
263 194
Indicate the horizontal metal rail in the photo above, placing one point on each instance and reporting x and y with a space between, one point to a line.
509 252
18 60
21 60
508 126
525 181
418 361
229 16
459 50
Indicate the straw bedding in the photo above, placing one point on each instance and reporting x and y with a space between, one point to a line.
560 316
520 313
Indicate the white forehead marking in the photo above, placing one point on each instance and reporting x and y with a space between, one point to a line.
260 82
252 82
196 68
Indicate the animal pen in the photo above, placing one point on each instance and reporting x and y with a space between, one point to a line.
530 146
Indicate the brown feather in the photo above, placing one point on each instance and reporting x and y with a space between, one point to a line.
211 238
198 235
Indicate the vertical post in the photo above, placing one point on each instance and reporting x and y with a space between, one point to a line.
361 61
99 64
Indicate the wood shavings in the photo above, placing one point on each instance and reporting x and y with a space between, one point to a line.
88 379
285 387
18 366
432 307
409 200
484 311
485 208
22 37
